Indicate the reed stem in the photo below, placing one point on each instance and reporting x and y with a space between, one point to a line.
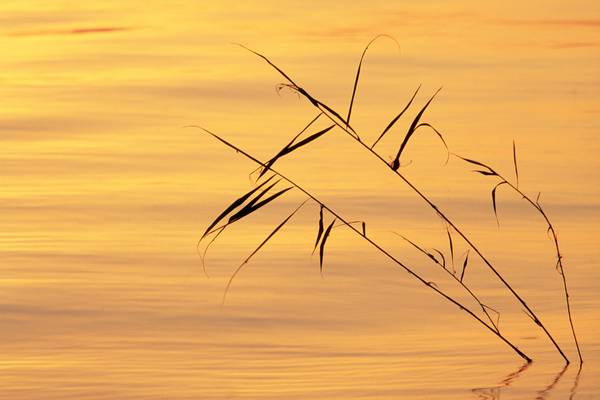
374 244
347 128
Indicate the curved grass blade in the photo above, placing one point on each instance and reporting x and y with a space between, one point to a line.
239 268
259 196
322 248
233 206
439 135
303 92
396 118
320 232
515 162
411 130
246 211
486 173
203 255
494 200
268 62
443 263
309 139
464 267
282 152
359 69
489 171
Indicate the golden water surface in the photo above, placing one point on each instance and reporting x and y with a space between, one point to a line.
104 194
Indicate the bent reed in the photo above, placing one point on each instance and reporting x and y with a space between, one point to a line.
268 191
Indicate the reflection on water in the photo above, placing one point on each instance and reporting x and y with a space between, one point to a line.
494 392
103 197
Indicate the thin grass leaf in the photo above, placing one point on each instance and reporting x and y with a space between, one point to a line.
247 211
233 206
297 88
396 118
359 69
322 248
203 255
480 164
260 246
248 206
515 162
364 229
486 173
309 139
320 232
268 62
286 150
439 135
494 200
464 267
411 130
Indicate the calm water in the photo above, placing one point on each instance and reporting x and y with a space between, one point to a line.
103 197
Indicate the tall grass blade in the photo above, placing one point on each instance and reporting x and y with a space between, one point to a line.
309 139
203 255
396 118
320 232
286 149
244 212
232 207
411 130
486 173
464 267
268 62
359 69
322 248
438 133
260 246
489 171
248 206
494 200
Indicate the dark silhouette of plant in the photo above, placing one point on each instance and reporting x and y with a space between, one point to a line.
486 170
323 233
239 205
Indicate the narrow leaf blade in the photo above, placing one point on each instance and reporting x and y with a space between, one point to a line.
320 232
413 126
257 249
464 267
233 206
322 248
247 211
396 118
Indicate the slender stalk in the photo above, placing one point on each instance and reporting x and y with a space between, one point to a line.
374 244
483 307
347 128
559 264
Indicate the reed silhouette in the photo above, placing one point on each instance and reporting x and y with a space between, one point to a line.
323 233
502 180
238 205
